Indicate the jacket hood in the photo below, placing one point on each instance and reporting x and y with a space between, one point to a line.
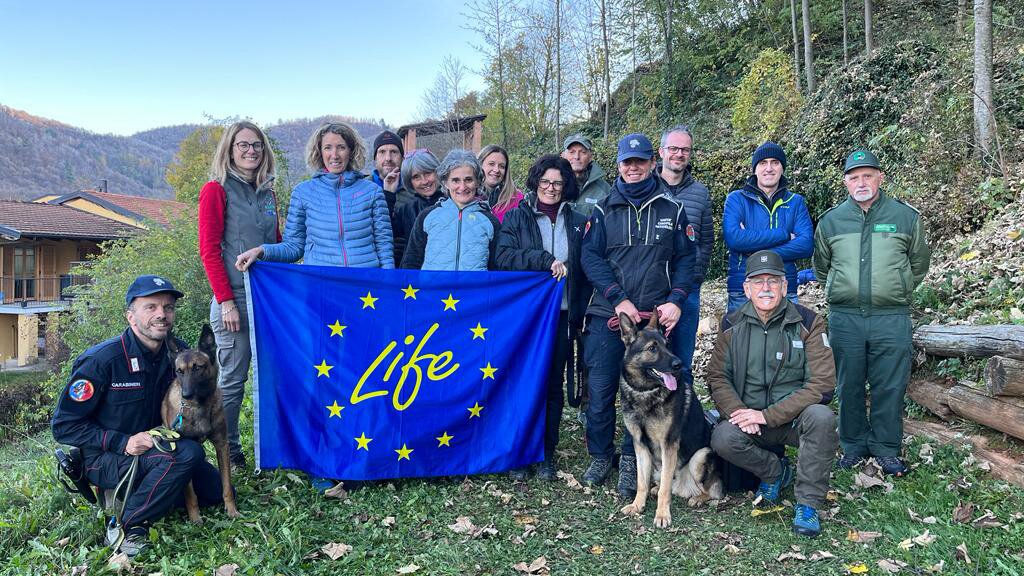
750 185
596 173
346 178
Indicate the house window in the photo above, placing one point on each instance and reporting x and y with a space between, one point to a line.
24 273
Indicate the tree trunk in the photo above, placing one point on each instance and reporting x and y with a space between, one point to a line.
961 14
992 412
984 122
501 73
932 396
1004 376
808 51
983 341
667 91
846 41
633 48
558 74
1003 466
607 66
869 40
796 44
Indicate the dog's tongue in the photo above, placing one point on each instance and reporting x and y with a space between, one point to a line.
668 379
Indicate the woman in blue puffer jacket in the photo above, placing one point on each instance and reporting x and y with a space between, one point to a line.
336 218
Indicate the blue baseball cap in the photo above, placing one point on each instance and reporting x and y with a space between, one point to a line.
635 146
149 284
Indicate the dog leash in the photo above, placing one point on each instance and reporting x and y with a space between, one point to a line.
164 440
613 322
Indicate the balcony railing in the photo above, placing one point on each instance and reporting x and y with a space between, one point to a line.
39 289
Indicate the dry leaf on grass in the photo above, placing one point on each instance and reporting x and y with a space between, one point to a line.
986 520
926 453
388 521
570 480
226 570
821 555
891 566
862 536
337 491
597 549
335 550
408 569
80 570
538 566
858 568
937 568
919 540
962 513
790 556
522 519
733 549
119 562
462 525
961 553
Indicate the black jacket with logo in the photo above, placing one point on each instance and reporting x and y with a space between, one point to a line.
109 396
640 254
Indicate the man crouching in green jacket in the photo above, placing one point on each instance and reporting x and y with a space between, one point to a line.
871 252
772 375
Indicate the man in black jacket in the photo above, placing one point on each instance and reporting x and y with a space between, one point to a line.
676 171
113 399
640 261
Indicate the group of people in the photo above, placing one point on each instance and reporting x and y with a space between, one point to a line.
639 245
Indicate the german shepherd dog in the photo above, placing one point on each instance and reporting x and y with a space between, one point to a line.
193 408
653 409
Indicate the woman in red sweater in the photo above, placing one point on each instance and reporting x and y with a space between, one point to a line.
237 210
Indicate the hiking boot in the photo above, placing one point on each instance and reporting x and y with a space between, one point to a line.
805 521
849 461
627 477
768 493
546 470
237 463
136 540
597 472
321 485
892 466
519 474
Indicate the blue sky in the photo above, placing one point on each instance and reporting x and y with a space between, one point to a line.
122 67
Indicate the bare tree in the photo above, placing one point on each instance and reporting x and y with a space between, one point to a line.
442 99
493 21
607 65
808 51
846 42
558 73
961 14
984 120
869 40
796 44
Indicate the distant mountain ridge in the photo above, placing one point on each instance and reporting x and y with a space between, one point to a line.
43 156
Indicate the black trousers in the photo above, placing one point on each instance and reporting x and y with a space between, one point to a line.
560 358
160 479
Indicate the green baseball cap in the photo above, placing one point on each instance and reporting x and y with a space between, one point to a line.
861 158
577 138
765 262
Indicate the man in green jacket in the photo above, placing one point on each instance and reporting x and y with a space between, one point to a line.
871 253
772 376
590 181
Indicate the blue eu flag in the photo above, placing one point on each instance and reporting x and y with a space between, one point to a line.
364 374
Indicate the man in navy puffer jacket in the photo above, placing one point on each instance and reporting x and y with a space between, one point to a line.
765 215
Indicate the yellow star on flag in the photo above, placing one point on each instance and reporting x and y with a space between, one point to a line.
410 292
336 329
363 442
404 452
478 332
368 300
323 369
475 410
488 371
335 409
444 439
449 302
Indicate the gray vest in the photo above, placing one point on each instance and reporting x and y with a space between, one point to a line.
250 220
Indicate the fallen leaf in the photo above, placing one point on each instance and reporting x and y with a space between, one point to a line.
524 519
733 549
761 511
119 562
561 535
969 255
963 512
862 536
570 480
929 520
937 568
925 539
335 550
858 568
62 542
864 481
906 544
462 525
790 556
821 555
337 491
926 453
80 570
538 566
986 520
961 553
408 569
226 570
891 566
597 549
1013 234
388 521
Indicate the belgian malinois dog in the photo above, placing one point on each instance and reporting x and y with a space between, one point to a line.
193 408
653 409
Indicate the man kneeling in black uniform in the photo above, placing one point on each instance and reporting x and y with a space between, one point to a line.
113 400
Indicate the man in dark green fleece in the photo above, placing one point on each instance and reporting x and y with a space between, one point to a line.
871 253
772 376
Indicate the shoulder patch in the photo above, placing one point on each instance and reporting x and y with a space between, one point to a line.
80 390
691 233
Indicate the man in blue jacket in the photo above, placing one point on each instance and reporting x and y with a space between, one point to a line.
640 261
765 215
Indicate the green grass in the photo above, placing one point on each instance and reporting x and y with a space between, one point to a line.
44 531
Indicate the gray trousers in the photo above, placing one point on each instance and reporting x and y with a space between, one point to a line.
813 431
233 356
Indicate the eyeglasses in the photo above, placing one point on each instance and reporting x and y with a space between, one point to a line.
244 146
553 184
760 282
678 150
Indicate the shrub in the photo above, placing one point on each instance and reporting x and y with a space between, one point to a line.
766 100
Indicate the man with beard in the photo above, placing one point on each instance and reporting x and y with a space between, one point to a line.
388 153
676 172
871 253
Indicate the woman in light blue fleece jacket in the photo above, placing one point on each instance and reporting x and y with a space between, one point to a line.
336 218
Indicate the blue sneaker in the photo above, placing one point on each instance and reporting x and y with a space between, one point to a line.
768 493
321 485
849 461
805 521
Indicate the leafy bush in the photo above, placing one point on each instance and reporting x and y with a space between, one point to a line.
24 403
766 100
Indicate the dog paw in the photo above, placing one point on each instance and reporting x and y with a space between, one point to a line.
234 513
662 520
632 509
197 519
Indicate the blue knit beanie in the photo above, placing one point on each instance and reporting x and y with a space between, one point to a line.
768 150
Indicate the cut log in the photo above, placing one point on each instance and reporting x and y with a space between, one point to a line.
932 396
997 340
1004 376
992 412
1003 465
